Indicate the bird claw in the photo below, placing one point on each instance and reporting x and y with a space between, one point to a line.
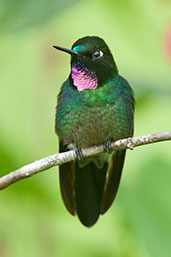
130 144
107 147
79 154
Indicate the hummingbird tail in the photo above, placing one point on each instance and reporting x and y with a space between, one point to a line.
89 186
89 191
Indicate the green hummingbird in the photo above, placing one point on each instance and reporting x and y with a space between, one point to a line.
95 106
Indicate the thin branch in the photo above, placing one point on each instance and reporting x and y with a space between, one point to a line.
60 158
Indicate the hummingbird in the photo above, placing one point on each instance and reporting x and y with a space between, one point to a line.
95 107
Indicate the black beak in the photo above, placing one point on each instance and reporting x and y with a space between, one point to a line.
66 50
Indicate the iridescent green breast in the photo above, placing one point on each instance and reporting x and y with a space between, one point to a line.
92 117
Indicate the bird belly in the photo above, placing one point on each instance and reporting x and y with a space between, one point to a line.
92 126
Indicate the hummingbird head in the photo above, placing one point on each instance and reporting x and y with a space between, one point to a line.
92 63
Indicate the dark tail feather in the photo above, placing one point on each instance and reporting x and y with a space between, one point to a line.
89 186
112 181
85 191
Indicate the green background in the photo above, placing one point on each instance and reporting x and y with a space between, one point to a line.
33 219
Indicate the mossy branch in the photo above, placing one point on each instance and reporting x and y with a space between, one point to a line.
60 158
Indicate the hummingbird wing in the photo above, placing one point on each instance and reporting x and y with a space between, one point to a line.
67 177
112 180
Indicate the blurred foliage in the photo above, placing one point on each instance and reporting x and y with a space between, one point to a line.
33 219
19 14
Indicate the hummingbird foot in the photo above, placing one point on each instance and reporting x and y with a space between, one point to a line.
130 144
79 154
107 147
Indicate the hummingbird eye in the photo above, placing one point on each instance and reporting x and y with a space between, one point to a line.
97 54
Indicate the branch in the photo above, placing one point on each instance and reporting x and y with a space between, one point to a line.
61 158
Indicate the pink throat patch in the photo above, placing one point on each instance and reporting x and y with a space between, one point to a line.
84 79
